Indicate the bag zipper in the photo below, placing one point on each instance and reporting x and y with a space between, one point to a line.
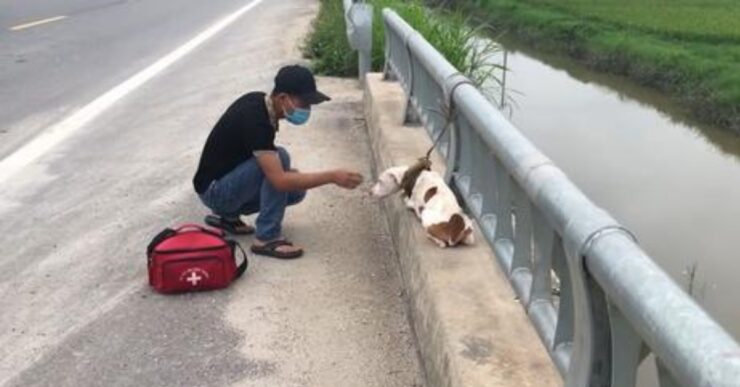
177 251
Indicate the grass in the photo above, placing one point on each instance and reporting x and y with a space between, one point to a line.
447 31
327 44
689 49
715 20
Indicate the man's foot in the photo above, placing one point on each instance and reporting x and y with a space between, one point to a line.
236 227
279 248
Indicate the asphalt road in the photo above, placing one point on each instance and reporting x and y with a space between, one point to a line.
75 309
51 69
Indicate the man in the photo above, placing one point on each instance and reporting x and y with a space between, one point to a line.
242 172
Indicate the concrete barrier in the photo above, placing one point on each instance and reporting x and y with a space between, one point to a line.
471 330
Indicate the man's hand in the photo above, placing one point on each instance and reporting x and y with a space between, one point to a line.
347 179
286 181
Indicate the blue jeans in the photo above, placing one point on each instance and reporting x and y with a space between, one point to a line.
246 191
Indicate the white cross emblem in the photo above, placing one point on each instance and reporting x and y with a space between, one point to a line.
194 278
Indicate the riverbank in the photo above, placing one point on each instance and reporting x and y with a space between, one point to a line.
690 51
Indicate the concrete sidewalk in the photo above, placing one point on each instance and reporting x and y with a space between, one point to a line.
76 307
335 317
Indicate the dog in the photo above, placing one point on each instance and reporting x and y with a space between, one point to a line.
433 203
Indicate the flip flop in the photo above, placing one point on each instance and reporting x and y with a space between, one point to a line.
236 227
270 249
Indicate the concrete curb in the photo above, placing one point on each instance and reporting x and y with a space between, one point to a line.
471 330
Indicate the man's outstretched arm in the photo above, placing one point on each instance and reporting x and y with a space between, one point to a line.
286 181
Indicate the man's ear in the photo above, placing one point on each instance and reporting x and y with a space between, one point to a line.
281 105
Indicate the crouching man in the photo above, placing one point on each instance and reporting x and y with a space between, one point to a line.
243 172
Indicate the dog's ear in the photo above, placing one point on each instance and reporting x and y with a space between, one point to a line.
397 173
412 173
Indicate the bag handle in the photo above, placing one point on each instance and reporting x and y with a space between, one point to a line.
197 227
169 232
242 266
164 234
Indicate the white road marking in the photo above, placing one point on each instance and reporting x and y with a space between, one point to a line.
37 23
57 133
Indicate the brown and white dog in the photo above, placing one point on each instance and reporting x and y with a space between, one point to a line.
433 202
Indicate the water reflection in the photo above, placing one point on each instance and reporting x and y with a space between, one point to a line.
674 182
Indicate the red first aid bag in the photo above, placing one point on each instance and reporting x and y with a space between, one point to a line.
192 258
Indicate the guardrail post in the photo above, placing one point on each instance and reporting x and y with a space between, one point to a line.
388 74
628 349
592 358
591 361
359 19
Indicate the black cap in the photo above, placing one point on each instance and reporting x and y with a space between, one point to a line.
299 81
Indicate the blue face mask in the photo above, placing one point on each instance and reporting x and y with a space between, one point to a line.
298 116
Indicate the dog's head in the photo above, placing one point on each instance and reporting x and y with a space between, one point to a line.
459 229
389 181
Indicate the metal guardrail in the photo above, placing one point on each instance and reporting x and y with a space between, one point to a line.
358 17
615 305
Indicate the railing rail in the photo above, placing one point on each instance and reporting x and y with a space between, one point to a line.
614 304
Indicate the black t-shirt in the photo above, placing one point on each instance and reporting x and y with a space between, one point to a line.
244 128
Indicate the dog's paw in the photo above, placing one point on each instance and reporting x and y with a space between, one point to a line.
469 239
436 241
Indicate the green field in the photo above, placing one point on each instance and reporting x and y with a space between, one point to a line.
689 49
716 21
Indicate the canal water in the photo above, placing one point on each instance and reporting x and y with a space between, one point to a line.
673 181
